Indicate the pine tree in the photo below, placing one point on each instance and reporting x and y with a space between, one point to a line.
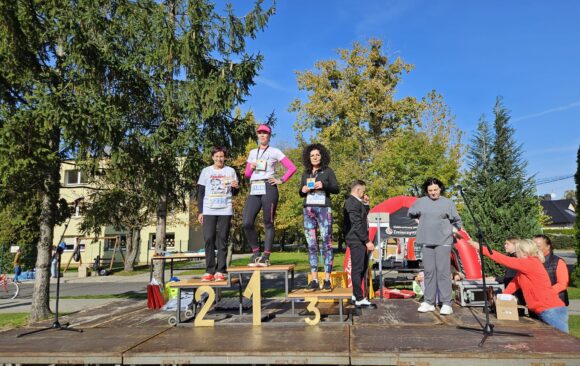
63 72
576 275
499 191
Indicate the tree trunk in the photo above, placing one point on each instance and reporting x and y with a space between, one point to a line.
159 266
133 240
40 308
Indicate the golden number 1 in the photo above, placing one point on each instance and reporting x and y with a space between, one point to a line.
199 321
312 301
254 291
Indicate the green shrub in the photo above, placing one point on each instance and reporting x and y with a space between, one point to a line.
567 231
561 241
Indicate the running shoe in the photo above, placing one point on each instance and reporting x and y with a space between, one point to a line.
207 277
446 310
254 259
426 307
263 261
312 286
364 302
326 286
219 276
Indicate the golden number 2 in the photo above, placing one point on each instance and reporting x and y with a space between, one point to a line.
199 321
254 291
312 301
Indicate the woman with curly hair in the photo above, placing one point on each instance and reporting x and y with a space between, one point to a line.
317 183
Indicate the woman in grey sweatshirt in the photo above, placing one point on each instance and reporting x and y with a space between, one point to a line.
438 220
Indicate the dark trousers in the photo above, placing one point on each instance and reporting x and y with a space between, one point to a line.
359 265
216 230
268 203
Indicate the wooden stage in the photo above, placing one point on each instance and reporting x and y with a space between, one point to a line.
393 334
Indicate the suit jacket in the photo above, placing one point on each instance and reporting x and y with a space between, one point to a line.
355 224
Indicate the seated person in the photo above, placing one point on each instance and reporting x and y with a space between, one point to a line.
555 266
534 282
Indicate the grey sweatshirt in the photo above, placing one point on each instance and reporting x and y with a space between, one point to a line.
436 218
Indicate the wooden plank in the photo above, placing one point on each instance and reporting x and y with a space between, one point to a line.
196 282
241 344
273 268
445 345
93 346
336 293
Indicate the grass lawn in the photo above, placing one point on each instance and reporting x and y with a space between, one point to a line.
300 259
574 293
12 320
574 325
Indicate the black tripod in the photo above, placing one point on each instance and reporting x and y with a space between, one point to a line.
56 324
487 329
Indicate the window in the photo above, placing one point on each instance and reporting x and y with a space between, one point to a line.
169 240
76 210
74 177
70 244
110 243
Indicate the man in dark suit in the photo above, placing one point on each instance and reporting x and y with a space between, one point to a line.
356 235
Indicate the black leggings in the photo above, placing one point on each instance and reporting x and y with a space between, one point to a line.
215 234
268 202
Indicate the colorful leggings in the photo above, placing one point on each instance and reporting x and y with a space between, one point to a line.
320 217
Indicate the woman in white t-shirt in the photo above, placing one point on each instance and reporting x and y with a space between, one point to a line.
217 184
260 169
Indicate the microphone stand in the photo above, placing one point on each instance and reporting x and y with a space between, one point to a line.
488 328
56 324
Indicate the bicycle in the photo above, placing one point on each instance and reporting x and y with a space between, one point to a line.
8 288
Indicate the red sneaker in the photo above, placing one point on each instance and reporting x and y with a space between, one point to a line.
207 277
219 277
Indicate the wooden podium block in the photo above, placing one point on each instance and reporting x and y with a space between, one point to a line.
84 271
314 297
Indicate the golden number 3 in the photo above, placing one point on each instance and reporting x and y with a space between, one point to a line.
312 301
254 291
199 321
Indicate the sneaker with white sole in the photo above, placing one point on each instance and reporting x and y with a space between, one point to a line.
363 302
446 310
254 259
263 261
426 307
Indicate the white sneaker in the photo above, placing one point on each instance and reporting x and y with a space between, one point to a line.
363 302
426 307
446 310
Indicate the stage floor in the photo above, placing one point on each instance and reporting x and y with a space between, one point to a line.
393 334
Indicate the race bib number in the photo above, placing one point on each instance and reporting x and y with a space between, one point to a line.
258 188
217 201
261 165
316 198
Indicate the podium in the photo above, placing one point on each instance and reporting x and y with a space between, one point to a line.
379 220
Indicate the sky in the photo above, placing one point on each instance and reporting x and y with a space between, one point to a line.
527 52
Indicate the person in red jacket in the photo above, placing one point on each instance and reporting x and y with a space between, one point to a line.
534 282
555 266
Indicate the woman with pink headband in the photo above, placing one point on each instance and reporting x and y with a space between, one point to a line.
260 169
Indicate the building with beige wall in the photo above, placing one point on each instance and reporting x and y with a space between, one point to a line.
183 232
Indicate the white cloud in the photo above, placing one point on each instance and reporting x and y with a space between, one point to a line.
269 83
548 111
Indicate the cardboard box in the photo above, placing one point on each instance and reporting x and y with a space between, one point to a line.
506 307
